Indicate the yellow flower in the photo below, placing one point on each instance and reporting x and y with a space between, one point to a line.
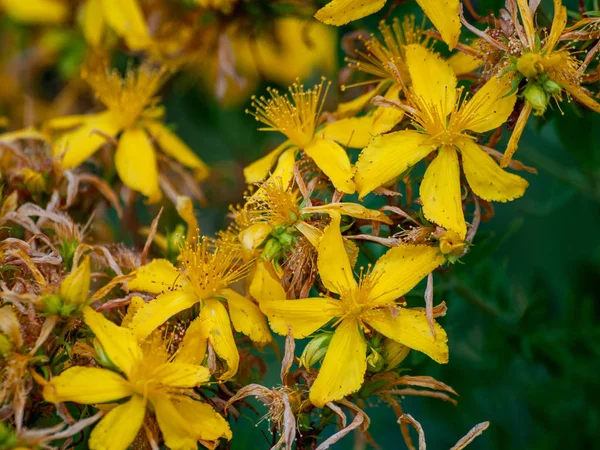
148 375
367 305
125 17
443 124
131 111
548 69
36 11
204 279
297 119
442 13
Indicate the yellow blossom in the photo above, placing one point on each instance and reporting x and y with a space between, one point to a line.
148 376
297 119
36 11
369 304
206 274
133 116
442 13
443 124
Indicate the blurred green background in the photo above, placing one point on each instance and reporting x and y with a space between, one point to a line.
523 318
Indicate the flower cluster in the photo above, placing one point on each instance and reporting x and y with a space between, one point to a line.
334 249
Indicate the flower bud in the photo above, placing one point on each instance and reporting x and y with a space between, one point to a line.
34 181
375 362
286 240
272 250
537 98
5 346
530 64
52 304
175 239
75 287
451 243
253 236
552 87
393 353
315 350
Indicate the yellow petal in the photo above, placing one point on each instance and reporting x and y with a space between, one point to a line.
193 347
36 11
127 19
411 328
154 313
205 422
214 317
513 142
92 22
310 232
180 374
185 209
444 16
348 209
354 106
259 169
580 94
118 342
174 147
76 286
433 80
86 385
558 26
340 12
488 108
246 317
74 147
384 119
527 19
400 270
353 132
485 176
135 305
156 277
118 429
304 316
264 287
66 122
253 236
463 63
333 160
344 366
136 163
10 325
387 156
333 263
25 133
441 192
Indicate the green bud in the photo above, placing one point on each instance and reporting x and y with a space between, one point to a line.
5 345
8 438
75 287
375 341
375 362
52 304
537 98
175 239
552 87
286 240
315 350
272 250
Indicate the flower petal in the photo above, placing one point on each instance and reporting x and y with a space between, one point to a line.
340 12
353 132
349 209
333 262
156 277
119 343
441 193
343 369
264 287
513 142
136 163
387 156
485 176
154 313
464 63
259 169
489 108
411 328
92 22
214 317
36 11
558 26
118 429
180 374
173 146
304 316
433 80
400 270
193 347
247 318
74 147
86 385
444 16
333 160
127 19
527 19
205 422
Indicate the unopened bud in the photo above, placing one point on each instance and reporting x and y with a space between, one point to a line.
272 250
530 64
375 362
33 181
451 243
52 304
315 350
393 353
286 240
537 98
75 287
552 87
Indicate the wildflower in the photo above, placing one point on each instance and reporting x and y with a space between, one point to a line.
297 119
73 293
368 304
149 375
443 124
131 111
125 17
443 14
208 271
